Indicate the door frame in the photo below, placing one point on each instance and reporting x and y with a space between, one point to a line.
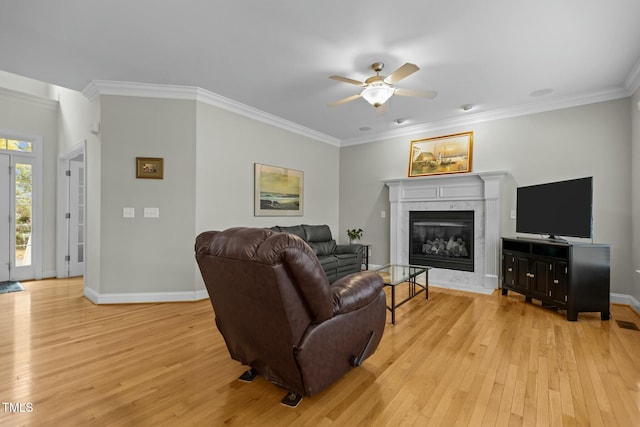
62 207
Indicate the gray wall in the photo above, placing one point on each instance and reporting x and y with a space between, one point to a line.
146 254
230 144
592 140
209 155
635 161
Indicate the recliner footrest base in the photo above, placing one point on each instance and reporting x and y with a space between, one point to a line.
248 376
291 399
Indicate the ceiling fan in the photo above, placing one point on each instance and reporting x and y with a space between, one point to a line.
378 89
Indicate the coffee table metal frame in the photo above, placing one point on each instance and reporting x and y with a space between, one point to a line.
398 274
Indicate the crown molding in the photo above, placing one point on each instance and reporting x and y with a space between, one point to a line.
147 90
497 114
211 98
30 99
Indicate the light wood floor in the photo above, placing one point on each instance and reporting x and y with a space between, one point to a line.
458 359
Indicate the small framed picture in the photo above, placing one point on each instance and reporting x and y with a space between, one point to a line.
150 167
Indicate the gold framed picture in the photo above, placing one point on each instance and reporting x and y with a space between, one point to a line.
150 167
278 191
441 155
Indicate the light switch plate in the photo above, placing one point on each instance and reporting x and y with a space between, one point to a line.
128 212
151 212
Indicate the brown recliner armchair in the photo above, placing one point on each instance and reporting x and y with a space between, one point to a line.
278 314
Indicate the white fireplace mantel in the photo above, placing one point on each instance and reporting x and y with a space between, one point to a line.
478 191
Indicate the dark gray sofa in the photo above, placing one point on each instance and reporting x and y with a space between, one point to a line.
336 260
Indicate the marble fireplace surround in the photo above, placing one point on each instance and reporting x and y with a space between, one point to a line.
478 192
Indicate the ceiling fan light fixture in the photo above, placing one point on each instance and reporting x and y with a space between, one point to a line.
377 93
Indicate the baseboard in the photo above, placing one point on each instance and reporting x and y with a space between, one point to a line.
144 297
626 300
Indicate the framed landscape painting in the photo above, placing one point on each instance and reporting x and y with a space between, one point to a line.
441 155
278 191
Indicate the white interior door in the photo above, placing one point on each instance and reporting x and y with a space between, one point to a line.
5 225
76 216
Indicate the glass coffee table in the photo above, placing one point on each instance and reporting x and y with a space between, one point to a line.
396 274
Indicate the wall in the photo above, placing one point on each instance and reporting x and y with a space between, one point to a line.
25 85
591 140
76 116
229 145
145 255
635 161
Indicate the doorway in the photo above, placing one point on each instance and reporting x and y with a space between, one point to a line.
71 213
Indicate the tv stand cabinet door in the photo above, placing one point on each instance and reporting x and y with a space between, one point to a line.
540 279
523 275
559 283
509 274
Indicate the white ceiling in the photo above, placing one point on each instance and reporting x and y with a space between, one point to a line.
276 56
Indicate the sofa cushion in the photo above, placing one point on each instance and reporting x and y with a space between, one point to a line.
323 248
346 259
294 229
317 233
328 262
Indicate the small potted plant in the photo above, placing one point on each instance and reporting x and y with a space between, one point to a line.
354 235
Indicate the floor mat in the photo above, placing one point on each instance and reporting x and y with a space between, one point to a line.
6 287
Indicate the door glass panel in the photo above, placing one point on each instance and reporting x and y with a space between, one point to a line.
15 145
23 214
80 214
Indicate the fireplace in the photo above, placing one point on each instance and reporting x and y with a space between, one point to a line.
479 192
442 239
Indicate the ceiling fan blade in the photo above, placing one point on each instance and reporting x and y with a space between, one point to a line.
402 72
345 100
430 94
347 80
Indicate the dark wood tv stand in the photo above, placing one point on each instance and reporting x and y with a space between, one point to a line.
563 275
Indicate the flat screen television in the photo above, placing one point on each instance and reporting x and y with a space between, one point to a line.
562 208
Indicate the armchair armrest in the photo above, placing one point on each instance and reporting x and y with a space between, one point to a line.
353 248
355 291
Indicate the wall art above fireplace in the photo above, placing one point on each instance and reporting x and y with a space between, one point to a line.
441 155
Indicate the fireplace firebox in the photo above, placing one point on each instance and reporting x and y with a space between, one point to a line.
441 239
